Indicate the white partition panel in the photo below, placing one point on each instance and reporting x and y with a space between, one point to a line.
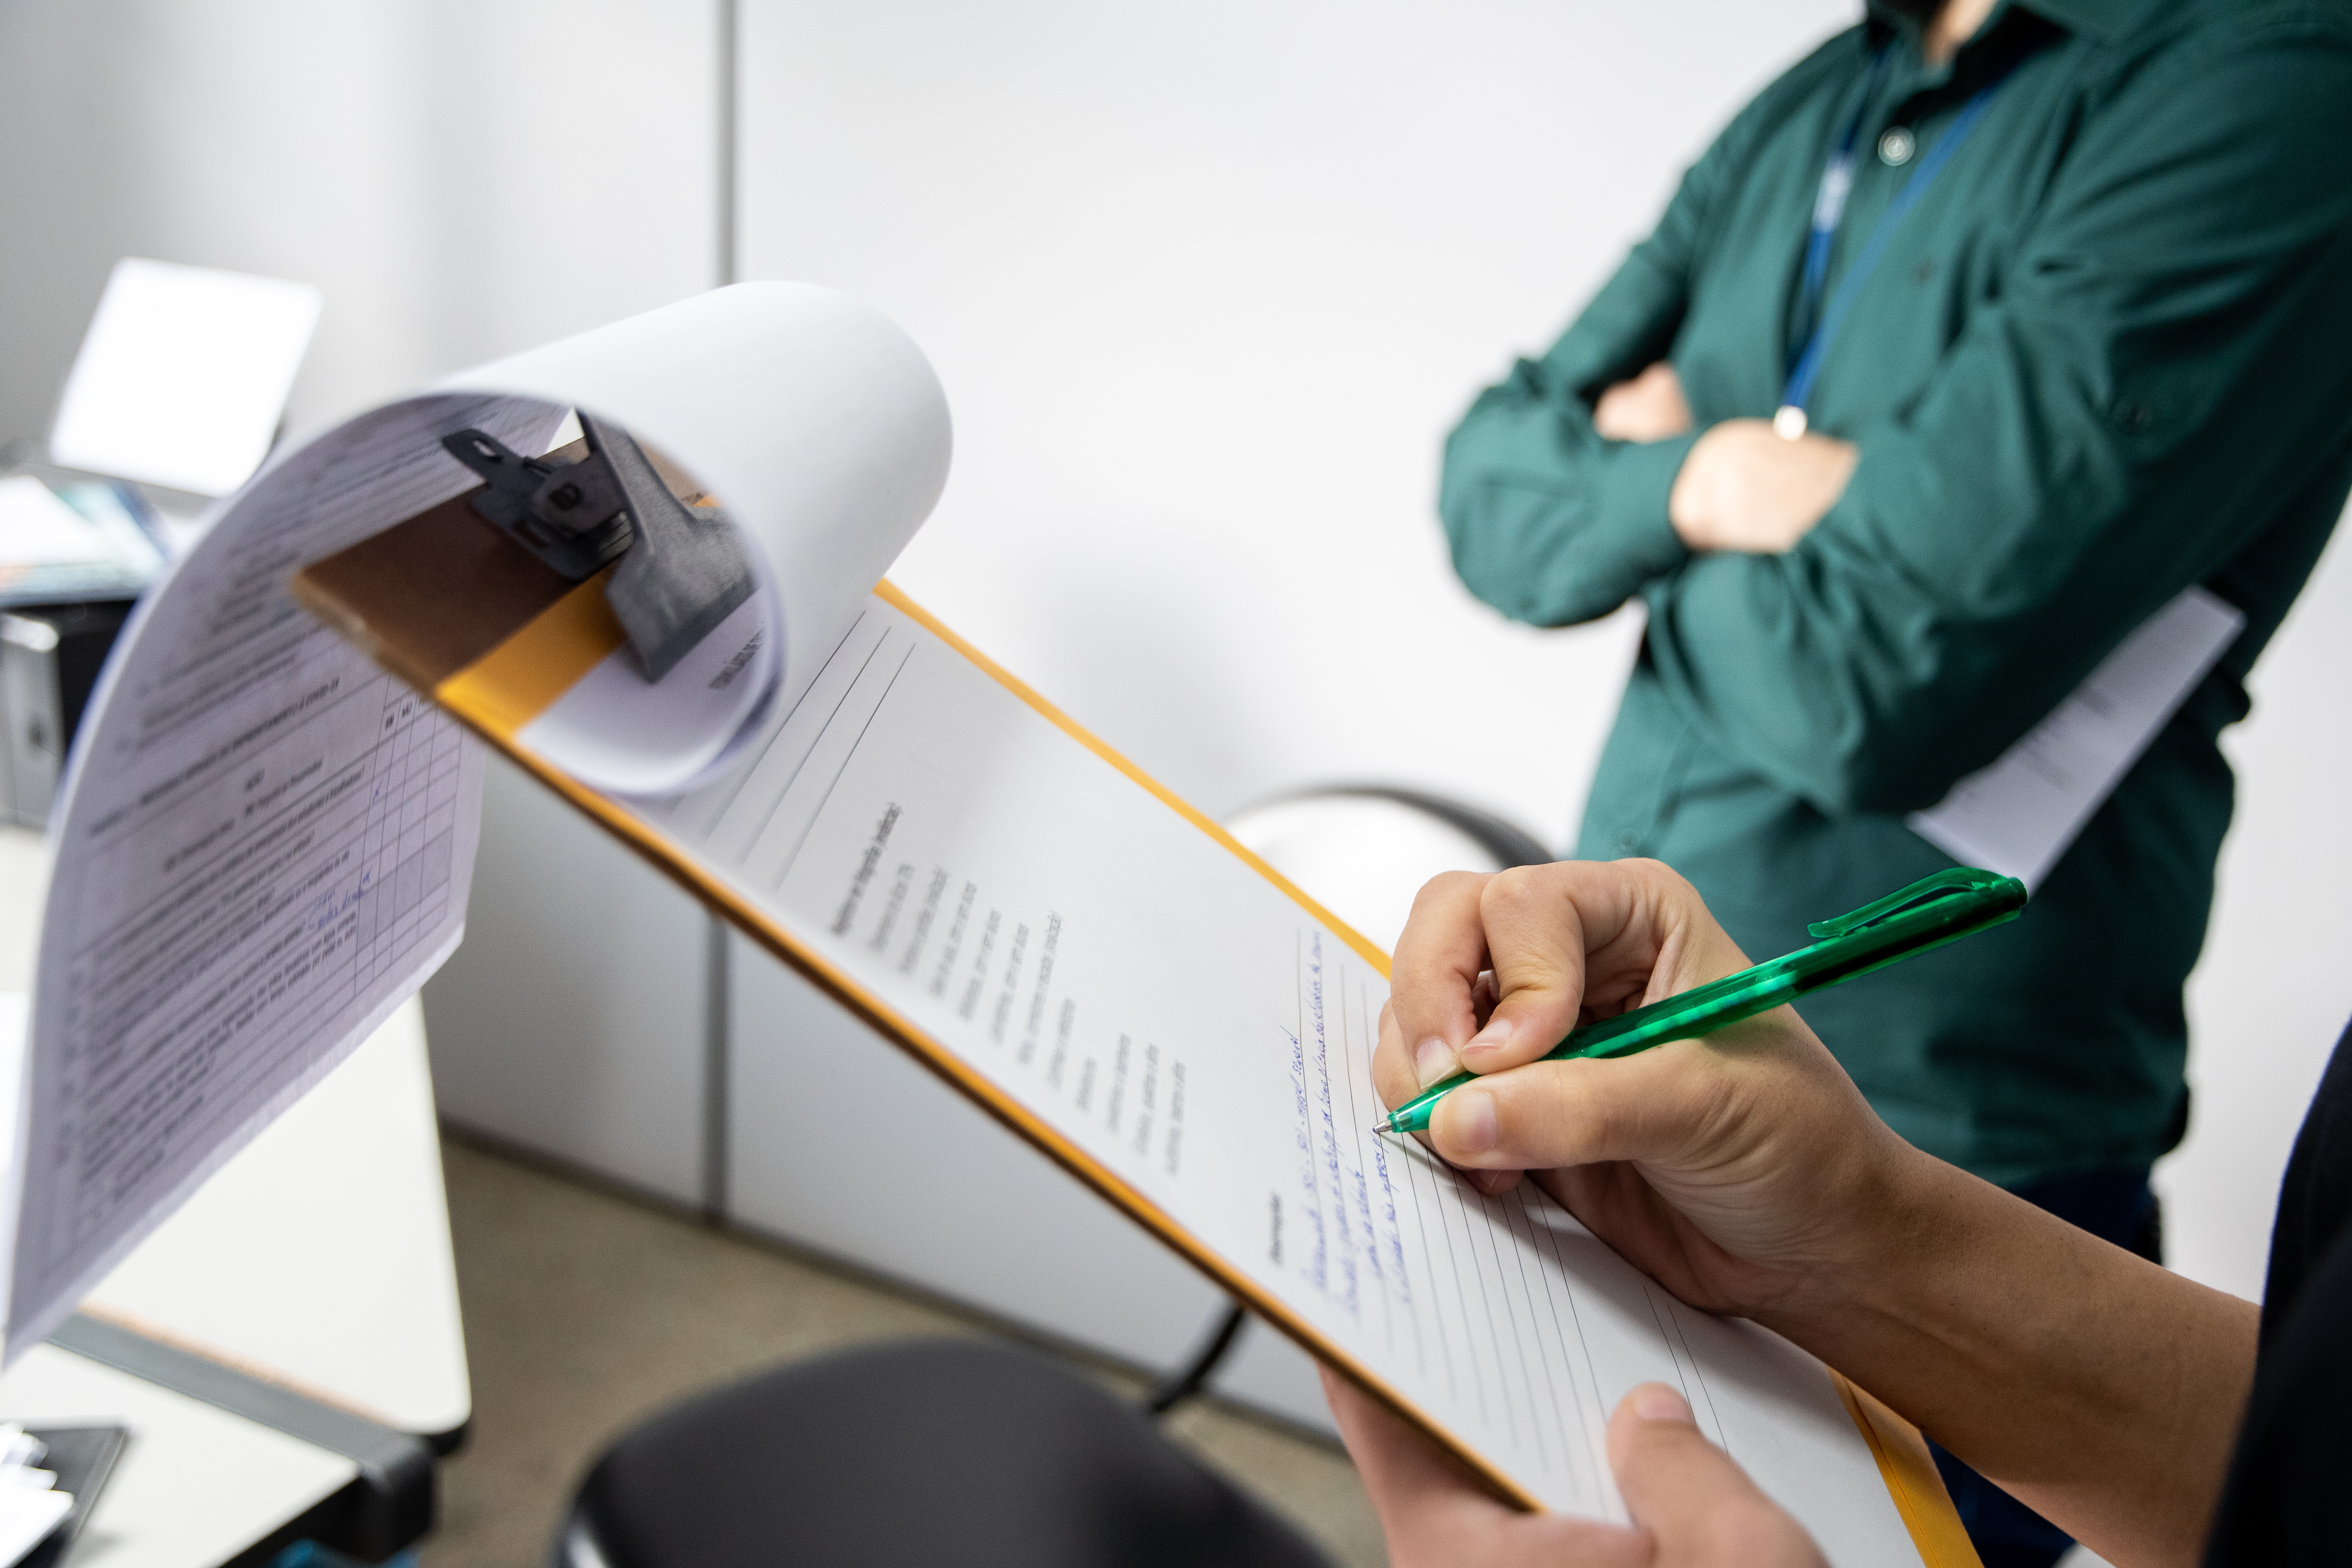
573 1021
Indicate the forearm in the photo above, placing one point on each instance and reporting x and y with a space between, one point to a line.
1743 487
1745 1174
2100 1389
1549 522
2116 425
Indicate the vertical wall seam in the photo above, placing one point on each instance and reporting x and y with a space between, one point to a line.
716 1002
731 131
716 1151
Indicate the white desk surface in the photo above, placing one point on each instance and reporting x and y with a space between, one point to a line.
195 1486
318 1257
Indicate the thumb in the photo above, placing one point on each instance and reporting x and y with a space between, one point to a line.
1665 1107
1701 1509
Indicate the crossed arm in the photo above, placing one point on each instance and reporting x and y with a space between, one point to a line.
1748 1175
1743 487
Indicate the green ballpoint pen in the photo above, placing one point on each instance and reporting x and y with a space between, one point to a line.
1928 913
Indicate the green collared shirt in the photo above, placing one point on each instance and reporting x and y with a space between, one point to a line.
2108 355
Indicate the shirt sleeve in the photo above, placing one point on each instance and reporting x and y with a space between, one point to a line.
2165 368
1549 522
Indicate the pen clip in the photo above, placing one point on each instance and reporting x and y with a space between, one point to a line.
1959 881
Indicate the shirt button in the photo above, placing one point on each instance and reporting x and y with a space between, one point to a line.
1895 147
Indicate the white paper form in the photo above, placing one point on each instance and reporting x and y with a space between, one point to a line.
264 848
2018 815
1111 966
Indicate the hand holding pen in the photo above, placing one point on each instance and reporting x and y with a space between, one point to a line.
1624 946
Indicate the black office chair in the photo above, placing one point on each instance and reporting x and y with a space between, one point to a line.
915 1454
923 1453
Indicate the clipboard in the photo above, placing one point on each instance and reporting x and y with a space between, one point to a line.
499 654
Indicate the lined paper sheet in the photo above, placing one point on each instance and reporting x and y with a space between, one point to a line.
1107 963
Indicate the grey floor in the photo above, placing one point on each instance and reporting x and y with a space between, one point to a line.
585 1311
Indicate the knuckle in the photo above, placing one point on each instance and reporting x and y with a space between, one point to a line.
1519 884
1502 889
1665 876
1447 887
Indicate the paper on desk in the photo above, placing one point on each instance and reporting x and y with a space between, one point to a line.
81 542
31 1506
2018 815
29 1513
38 529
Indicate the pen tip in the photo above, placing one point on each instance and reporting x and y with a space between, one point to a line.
1379 1127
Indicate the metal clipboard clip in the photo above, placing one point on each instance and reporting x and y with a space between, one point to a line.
682 569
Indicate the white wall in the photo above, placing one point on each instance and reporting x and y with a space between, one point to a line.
2274 988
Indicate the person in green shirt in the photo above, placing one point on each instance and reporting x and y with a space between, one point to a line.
2101 353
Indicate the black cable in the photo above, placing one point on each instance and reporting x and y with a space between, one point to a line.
1186 1381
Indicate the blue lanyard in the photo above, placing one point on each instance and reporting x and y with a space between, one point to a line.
1829 212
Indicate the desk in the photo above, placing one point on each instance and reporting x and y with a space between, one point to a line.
316 1262
318 1257
195 1486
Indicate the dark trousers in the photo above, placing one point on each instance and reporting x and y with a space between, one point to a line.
2114 1206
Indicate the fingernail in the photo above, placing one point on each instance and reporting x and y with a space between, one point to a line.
1488 1040
1470 1127
1656 1402
1432 1059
